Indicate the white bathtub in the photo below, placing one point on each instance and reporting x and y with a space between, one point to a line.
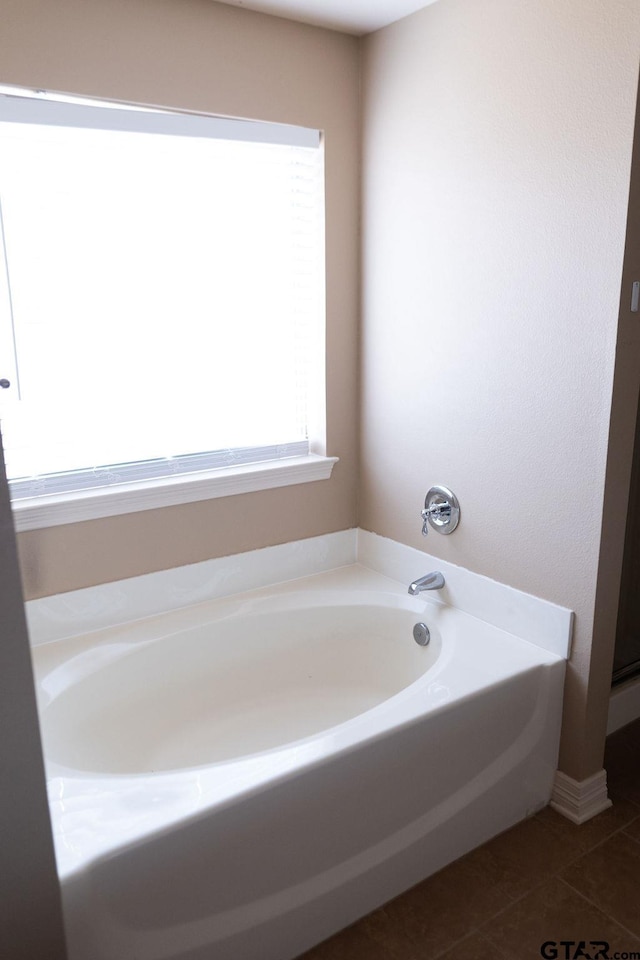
239 779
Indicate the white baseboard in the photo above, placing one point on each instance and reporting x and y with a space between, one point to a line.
624 705
580 800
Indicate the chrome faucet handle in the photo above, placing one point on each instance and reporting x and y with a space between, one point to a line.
438 512
441 511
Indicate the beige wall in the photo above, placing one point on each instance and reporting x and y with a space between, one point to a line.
622 435
497 142
200 55
30 908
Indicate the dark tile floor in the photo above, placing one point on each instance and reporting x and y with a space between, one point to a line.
544 880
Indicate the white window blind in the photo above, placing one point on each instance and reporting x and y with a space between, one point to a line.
160 292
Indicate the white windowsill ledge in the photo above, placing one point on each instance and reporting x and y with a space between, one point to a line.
57 509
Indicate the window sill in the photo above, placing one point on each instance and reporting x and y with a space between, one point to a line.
58 509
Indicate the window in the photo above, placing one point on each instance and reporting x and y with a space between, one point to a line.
161 301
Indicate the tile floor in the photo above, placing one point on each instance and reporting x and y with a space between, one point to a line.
544 880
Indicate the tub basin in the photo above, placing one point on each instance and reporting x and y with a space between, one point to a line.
237 685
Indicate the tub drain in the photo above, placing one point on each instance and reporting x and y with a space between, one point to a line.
421 634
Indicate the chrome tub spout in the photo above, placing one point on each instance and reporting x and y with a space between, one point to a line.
431 581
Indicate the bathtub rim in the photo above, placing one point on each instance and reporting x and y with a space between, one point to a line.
539 621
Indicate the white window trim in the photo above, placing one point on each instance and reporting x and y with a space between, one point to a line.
35 513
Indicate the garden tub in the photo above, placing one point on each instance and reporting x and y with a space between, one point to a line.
241 778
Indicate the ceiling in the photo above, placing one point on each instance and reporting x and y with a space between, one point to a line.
350 16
